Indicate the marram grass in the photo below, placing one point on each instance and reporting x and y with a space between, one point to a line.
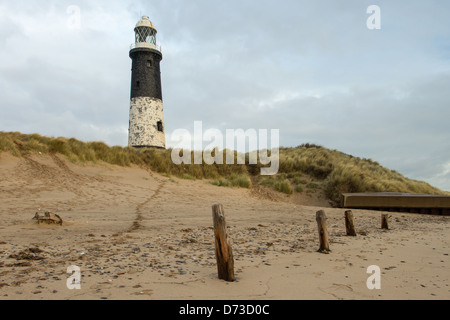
307 167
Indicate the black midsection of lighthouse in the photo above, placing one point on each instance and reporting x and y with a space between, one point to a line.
146 74
146 104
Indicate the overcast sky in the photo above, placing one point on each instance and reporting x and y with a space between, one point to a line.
309 68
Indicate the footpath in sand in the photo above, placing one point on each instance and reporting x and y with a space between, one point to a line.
135 234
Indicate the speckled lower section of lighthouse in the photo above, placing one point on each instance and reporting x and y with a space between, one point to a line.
145 114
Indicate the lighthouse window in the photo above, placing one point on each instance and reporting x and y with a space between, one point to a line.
160 126
149 63
138 84
145 34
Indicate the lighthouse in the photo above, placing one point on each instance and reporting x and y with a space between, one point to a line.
146 128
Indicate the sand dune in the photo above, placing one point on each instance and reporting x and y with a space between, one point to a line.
137 235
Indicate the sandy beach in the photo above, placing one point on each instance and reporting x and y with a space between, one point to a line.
135 234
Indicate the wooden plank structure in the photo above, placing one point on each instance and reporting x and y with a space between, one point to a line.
401 202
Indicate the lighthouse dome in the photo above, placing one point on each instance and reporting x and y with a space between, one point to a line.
145 22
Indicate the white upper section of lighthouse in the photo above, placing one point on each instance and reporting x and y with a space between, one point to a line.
145 35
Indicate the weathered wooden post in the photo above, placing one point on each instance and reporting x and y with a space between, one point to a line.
321 219
349 224
385 221
224 252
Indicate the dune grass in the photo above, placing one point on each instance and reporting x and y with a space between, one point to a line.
234 180
76 151
306 168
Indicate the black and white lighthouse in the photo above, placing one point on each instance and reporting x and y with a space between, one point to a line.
146 106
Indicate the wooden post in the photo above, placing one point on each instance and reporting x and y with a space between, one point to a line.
385 221
224 252
321 219
349 225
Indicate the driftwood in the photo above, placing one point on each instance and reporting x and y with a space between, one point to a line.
224 252
385 221
48 218
349 224
321 219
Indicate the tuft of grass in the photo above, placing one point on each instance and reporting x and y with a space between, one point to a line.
240 180
299 181
220 183
312 185
187 177
7 144
235 180
283 186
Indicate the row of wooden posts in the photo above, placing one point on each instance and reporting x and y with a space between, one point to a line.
224 251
